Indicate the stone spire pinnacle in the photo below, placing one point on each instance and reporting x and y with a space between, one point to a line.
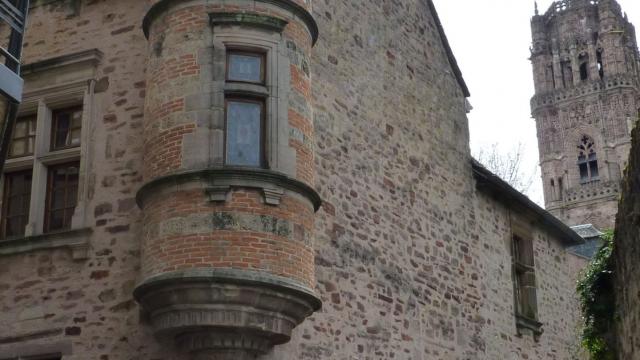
536 7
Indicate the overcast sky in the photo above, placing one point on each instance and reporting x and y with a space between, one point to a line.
491 39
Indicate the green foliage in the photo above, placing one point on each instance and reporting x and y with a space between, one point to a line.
597 303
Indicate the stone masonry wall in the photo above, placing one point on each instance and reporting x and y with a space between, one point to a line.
627 258
412 262
46 297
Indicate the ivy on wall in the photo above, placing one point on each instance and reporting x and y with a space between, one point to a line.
597 302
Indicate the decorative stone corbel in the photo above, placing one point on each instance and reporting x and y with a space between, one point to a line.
272 196
218 193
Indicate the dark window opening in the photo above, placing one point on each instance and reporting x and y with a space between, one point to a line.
600 65
560 189
552 75
62 196
584 71
65 132
15 203
567 74
525 278
587 160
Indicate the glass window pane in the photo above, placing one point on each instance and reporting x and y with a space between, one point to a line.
20 130
18 148
584 172
58 199
76 121
244 133
245 67
594 169
61 196
75 137
17 195
56 220
66 128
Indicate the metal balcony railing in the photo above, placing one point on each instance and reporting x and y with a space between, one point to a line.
13 21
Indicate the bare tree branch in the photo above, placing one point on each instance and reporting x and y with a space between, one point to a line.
508 166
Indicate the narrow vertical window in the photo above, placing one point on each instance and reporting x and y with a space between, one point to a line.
245 115
62 196
15 203
584 71
600 65
24 136
587 160
66 128
244 132
560 189
526 303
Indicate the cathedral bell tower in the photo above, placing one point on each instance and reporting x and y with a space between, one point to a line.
587 95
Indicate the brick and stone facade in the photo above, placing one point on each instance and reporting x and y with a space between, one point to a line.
367 204
587 83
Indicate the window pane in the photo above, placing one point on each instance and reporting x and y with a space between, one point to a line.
23 137
244 133
18 148
62 193
66 128
584 172
593 165
20 130
245 67
17 195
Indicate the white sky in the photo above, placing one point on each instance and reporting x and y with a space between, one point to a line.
491 39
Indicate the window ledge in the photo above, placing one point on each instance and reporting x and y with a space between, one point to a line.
524 323
76 240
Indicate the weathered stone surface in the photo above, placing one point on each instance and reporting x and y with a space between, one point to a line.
627 258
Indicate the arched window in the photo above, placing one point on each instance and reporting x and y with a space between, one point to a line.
587 160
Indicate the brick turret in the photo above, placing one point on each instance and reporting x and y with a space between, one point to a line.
228 205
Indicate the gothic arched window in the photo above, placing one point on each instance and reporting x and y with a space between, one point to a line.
587 160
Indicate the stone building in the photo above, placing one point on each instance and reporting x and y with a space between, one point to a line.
587 83
242 179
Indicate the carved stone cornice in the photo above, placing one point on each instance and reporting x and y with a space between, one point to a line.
299 11
247 19
237 312
217 182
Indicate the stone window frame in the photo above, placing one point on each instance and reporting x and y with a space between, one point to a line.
524 324
246 34
585 159
43 103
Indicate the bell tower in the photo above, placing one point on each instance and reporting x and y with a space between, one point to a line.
585 68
